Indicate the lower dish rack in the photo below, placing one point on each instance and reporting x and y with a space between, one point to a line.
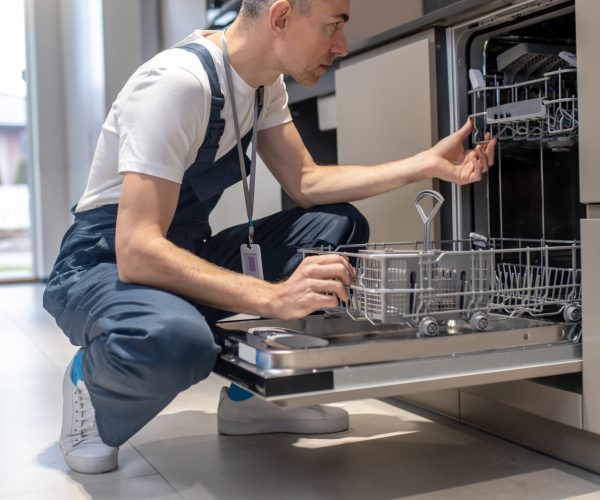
411 283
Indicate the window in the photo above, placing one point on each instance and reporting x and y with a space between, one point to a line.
15 221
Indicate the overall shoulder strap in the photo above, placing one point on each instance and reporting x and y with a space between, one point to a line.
217 101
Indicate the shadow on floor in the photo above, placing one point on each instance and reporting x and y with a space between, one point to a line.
379 457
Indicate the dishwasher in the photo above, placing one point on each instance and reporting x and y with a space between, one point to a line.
501 299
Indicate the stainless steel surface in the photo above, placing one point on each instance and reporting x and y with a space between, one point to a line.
358 342
419 375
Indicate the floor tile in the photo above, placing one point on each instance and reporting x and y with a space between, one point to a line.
148 487
39 466
389 451
539 485
386 454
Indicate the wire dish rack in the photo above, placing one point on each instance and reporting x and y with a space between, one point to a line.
412 283
533 97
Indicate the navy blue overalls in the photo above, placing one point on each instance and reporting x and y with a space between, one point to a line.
143 345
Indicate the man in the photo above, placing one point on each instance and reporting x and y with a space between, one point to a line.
140 279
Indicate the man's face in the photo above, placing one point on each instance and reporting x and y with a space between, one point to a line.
315 40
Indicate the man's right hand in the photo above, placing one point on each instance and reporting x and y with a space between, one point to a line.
318 282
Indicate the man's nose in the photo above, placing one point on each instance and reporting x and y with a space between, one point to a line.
340 45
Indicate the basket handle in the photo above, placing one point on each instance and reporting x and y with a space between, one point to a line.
427 218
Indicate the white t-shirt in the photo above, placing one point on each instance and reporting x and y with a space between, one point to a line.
159 120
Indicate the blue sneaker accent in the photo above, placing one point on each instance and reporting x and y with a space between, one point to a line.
236 393
77 370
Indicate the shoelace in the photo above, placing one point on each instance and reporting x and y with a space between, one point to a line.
86 420
318 408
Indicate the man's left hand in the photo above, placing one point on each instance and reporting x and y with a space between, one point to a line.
450 161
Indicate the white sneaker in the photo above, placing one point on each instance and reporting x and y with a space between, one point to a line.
256 416
80 442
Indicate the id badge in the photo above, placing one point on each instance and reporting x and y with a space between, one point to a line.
252 260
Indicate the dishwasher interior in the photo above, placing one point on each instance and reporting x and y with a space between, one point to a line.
499 301
523 89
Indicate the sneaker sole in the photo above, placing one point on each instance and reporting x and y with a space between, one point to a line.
285 426
92 465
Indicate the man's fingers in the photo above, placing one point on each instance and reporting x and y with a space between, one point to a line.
482 158
331 259
323 300
330 287
490 151
465 131
490 148
330 272
470 169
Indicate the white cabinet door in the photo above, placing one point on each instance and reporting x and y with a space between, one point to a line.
590 264
385 111
588 68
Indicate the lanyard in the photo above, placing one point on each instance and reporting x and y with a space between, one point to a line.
248 191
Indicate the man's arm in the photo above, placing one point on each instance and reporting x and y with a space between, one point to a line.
145 256
309 184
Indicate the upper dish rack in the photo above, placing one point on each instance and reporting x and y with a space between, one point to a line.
533 97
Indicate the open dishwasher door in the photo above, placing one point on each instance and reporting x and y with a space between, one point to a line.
325 358
419 318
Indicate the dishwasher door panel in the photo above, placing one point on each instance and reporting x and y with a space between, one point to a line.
364 360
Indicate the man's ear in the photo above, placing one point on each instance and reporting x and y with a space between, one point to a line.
279 14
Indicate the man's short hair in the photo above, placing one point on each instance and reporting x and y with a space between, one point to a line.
253 9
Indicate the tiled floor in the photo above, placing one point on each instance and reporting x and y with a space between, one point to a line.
387 453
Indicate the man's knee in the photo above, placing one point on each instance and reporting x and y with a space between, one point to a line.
172 353
351 225
191 349
360 225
